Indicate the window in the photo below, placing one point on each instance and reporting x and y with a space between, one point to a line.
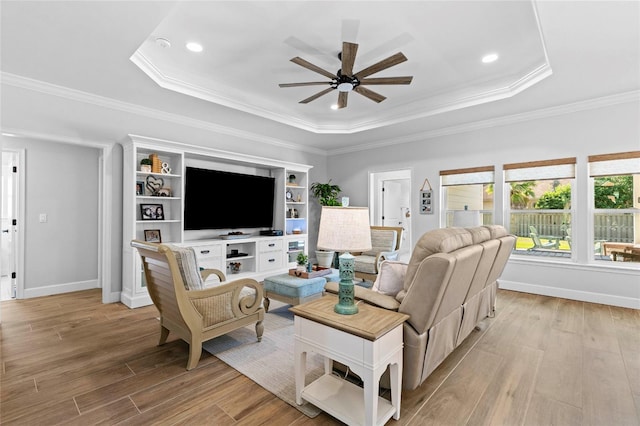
468 196
539 211
615 180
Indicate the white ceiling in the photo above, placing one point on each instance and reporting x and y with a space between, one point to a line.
552 53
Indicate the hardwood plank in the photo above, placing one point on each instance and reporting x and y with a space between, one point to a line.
214 374
506 326
108 358
533 331
412 400
456 399
201 401
507 397
107 394
629 340
106 415
545 411
569 316
627 316
560 376
599 328
607 395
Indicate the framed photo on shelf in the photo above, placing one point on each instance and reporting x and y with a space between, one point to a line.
152 211
139 187
152 236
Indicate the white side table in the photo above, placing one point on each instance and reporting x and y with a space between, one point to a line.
366 342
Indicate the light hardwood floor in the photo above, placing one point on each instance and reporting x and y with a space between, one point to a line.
71 360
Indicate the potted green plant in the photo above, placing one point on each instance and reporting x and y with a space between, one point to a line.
145 165
302 260
327 195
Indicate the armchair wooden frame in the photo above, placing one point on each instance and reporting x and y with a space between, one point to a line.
197 315
384 255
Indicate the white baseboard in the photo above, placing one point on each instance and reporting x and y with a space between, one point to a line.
583 296
50 290
136 301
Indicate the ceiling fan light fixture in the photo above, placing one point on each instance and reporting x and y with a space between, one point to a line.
345 87
194 47
491 57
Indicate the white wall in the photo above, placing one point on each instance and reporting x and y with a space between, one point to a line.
61 182
579 134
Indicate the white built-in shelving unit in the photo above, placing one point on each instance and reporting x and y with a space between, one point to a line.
252 256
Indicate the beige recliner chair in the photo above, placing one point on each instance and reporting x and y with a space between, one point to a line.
196 314
385 243
448 286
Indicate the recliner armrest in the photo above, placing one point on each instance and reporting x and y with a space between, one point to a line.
369 296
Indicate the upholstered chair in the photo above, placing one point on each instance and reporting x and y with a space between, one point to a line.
385 243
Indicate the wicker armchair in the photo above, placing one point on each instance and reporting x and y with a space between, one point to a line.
196 314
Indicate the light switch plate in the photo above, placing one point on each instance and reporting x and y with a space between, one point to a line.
43 217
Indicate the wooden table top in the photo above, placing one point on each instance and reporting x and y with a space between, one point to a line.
370 322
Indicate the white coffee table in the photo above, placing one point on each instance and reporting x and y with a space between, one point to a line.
366 342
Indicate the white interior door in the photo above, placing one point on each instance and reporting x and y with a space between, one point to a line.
8 237
391 203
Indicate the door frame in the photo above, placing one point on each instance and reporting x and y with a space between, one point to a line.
375 199
105 197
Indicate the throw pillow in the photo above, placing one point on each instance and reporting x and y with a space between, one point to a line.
390 279
188 266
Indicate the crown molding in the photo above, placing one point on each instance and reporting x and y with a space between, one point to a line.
595 103
422 108
104 102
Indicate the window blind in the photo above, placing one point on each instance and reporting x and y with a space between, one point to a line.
624 163
564 168
470 176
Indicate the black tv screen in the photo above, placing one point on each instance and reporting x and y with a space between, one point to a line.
224 200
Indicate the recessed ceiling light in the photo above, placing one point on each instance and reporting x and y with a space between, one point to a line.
334 106
194 47
492 57
163 42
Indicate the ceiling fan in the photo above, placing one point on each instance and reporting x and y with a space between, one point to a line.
345 80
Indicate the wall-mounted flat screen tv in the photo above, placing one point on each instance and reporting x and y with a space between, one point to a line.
223 200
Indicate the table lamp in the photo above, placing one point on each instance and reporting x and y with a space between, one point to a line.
345 229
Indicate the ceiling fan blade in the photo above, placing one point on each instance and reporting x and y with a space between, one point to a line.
349 51
376 97
342 99
316 96
309 83
396 59
310 66
387 80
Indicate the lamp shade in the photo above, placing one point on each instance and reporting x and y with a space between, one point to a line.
344 229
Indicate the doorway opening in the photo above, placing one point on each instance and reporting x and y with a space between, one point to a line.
389 198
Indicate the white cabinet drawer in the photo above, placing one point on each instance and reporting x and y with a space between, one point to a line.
270 260
210 256
269 245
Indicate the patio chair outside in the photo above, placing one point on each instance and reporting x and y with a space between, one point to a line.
537 243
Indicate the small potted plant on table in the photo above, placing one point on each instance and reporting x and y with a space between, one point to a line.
302 261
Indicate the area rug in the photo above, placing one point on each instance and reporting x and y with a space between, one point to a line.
270 362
